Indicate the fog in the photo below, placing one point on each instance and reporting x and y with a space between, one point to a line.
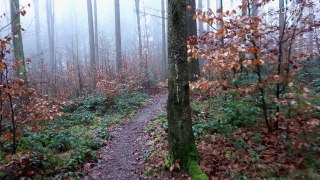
70 36
71 16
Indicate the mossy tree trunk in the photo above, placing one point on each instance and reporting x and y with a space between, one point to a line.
180 135
17 39
193 67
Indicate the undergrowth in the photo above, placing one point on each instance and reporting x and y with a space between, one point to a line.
234 142
66 143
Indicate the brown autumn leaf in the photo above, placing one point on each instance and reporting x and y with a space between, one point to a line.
247 63
210 21
3 44
252 50
258 62
2 65
257 19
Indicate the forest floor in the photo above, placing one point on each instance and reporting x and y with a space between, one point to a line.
123 157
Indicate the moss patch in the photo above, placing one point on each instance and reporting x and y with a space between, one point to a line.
196 172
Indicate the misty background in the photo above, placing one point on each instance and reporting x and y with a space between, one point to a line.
71 26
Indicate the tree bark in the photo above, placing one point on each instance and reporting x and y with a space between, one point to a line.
193 67
220 6
91 43
180 135
96 34
137 3
280 46
164 44
118 34
37 29
17 40
200 25
208 4
51 37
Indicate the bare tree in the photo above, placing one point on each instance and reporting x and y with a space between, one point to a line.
164 44
91 43
118 34
200 25
137 3
37 29
96 34
51 37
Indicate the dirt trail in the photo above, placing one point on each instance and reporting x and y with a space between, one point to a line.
123 157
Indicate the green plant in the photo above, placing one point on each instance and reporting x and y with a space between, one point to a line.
202 127
241 112
128 102
102 133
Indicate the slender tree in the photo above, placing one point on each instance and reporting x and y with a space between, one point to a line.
164 49
208 5
253 12
137 3
51 37
118 34
146 38
282 28
17 39
37 28
200 31
200 24
242 54
194 67
180 136
96 34
220 6
91 42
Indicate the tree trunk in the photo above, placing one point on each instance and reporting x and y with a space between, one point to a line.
200 31
280 46
37 29
193 67
208 4
164 48
118 34
17 39
220 6
51 38
91 43
96 34
137 3
242 54
146 38
180 135
200 24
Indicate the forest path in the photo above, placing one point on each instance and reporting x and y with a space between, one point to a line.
123 157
